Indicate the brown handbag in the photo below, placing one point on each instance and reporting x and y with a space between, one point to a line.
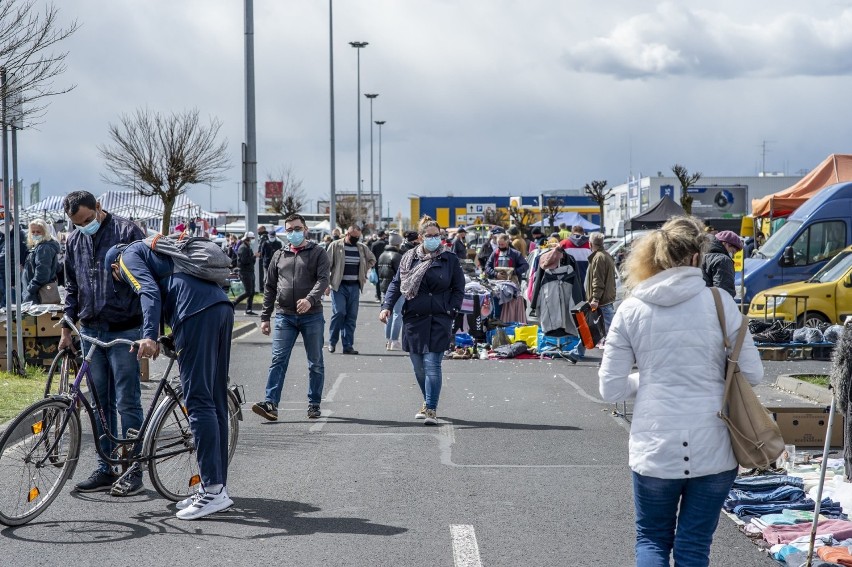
49 293
755 436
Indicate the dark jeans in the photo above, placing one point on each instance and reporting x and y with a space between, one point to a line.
678 517
344 314
203 342
115 373
247 277
285 331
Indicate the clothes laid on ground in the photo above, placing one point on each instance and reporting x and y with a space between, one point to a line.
838 529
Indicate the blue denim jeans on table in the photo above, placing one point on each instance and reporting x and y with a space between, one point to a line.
767 481
344 314
427 370
394 324
776 494
115 374
679 516
285 331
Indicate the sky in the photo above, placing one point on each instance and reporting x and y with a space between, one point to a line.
480 97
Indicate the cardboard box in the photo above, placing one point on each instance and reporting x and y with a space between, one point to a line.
38 351
28 328
807 426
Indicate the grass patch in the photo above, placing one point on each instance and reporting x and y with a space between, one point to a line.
818 379
17 392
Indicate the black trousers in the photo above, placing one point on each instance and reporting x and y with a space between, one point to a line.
247 277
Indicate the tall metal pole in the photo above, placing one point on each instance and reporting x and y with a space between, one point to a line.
332 208
15 249
358 45
8 259
372 198
250 156
380 123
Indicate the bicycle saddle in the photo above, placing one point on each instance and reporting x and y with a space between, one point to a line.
167 346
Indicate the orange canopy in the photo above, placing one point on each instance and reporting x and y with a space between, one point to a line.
835 169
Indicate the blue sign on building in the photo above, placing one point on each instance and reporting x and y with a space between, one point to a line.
667 191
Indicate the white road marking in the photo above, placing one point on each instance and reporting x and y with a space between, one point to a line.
623 423
331 393
248 334
321 421
465 548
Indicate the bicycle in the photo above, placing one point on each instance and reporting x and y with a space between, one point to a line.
39 450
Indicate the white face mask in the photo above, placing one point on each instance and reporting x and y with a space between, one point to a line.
36 238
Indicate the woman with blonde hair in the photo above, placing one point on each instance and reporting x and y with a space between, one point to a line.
431 280
680 452
42 263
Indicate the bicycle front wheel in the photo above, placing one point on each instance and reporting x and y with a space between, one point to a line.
61 374
173 468
37 456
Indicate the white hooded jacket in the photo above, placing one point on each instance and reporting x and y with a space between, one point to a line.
669 327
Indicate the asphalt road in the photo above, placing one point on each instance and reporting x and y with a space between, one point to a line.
528 467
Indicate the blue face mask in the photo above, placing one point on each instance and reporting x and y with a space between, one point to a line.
91 228
431 243
296 237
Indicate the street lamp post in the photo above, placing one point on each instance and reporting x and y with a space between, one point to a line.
358 45
380 123
372 198
332 207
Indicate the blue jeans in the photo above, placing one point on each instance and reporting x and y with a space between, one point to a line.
115 375
678 515
427 370
284 333
608 313
203 342
344 314
394 325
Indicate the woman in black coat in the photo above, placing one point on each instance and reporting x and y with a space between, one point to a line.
432 282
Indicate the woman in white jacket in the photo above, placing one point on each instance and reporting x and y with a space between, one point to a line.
680 452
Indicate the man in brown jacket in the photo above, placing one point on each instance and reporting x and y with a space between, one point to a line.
350 261
600 281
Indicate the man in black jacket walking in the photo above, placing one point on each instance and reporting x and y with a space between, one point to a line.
245 263
295 283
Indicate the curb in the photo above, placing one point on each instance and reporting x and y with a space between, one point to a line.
789 383
243 330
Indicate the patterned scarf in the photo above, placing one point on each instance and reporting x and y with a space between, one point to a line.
410 278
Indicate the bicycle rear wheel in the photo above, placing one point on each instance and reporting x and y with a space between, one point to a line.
177 476
37 456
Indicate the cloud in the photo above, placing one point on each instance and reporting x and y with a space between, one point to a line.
678 41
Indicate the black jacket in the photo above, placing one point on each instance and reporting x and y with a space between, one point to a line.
718 268
245 258
387 266
293 276
427 318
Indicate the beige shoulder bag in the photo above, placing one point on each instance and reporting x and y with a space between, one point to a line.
755 437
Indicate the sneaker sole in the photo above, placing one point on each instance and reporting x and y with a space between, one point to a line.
90 490
313 416
430 422
262 413
120 494
419 416
225 505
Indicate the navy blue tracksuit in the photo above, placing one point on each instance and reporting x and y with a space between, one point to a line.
202 319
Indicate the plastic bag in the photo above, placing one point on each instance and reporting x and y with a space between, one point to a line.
527 334
833 333
237 288
373 276
807 335
500 338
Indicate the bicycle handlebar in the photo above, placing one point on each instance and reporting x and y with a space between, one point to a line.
67 320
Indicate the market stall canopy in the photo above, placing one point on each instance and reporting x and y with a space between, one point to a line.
836 168
656 216
49 209
570 219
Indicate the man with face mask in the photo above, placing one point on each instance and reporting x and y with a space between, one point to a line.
506 257
106 311
349 262
295 283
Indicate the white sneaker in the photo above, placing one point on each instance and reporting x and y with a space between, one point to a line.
395 345
431 417
206 503
187 502
387 345
421 414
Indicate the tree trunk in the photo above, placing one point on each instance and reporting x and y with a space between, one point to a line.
168 205
602 229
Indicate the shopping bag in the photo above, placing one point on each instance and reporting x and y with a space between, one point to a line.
527 334
590 324
373 276
237 288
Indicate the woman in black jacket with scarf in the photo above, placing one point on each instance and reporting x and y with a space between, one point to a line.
431 280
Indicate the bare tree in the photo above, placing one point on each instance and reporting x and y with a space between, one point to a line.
552 207
157 155
26 40
292 198
598 192
347 213
521 218
495 216
686 181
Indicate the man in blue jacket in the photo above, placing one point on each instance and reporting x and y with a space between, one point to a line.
105 312
202 319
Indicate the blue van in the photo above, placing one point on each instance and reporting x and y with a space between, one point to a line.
812 235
